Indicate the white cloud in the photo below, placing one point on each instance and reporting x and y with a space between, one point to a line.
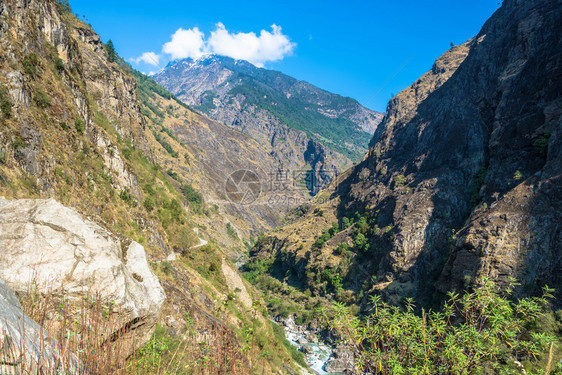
150 58
268 46
185 43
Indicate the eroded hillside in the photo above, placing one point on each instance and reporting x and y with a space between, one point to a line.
462 179
73 129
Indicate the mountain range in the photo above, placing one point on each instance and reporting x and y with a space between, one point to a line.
302 125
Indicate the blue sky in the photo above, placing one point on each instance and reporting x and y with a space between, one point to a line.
368 50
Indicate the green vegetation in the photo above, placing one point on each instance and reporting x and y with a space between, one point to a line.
192 196
207 103
5 103
110 49
399 181
478 333
64 6
517 175
333 132
540 145
30 64
79 125
42 99
478 182
231 231
165 144
59 64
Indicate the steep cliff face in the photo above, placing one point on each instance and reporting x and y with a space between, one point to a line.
463 176
285 115
61 79
73 128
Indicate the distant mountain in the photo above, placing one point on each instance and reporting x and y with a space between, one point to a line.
272 107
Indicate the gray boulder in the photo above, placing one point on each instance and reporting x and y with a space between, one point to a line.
57 250
307 349
25 346
341 362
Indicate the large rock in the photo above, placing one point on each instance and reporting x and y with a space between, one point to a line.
52 247
19 335
341 362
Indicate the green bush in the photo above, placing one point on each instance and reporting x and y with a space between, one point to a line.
361 243
59 64
30 64
478 182
479 332
399 181
148 204
42 99
231 231
192 196
5 103
342 249
126 196
79 125
541 144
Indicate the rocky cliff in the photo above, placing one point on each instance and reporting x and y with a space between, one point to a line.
75 128
301 125
463 176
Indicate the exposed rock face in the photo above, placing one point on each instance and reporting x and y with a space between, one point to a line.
89 81
464 172
490 116
45 243
21 337
260 103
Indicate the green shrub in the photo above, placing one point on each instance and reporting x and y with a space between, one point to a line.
478 182
399 181
361 243
231 231
42 99
59 64
484 330
148 204
541 144
342 249
5 103
79 125
192 196
517 175
126 196
30 64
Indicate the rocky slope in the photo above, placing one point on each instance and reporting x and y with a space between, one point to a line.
73 129
463 176
302 125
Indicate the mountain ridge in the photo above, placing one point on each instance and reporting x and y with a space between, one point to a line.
282 113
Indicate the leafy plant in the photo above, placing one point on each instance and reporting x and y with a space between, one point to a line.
192 196
399 181
479 332
30 63
79 125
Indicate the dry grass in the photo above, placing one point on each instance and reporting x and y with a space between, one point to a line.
90 337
